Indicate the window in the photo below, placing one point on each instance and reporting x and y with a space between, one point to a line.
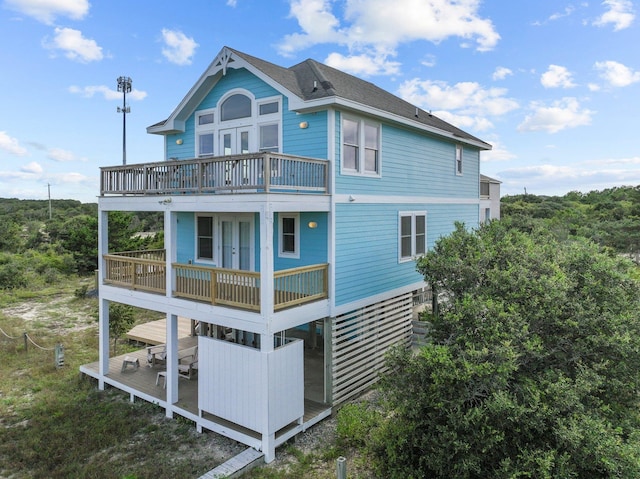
484 189
458 159
269 138
269 108
412 235
234 107
360 147
204 132
204 246
289 235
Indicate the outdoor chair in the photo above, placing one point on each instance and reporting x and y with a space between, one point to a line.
188 365
157 355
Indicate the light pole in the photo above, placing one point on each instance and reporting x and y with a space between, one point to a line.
124 85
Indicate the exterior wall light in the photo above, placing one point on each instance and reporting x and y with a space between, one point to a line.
179 141
304 125
313 224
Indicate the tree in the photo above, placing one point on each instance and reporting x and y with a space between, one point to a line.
121 319
532 368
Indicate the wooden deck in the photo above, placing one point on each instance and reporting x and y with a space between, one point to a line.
155 332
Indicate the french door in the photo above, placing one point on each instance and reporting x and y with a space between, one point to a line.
236 242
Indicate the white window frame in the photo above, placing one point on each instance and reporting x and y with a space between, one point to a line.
459 160
361 147
414 234
288 254
209 128
214 244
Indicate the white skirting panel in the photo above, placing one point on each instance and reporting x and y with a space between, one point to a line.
241 384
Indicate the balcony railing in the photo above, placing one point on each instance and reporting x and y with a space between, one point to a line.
217 286
251 173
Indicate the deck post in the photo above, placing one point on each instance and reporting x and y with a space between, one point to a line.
103 345
172 363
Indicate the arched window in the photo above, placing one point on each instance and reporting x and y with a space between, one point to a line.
234 107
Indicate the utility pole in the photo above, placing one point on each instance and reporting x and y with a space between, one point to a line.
124 85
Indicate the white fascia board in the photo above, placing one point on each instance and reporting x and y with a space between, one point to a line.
315 105
176 121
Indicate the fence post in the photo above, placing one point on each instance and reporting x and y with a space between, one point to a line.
341 468
59 355
26 342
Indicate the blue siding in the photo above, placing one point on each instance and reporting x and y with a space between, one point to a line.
367 245
313 242
414 164
310 142
186 237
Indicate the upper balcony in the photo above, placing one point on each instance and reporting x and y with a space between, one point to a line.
249 173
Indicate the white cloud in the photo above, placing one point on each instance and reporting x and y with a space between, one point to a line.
363 65
561 114
617 74
464 97
232 3
501 73
179 48
58 154
620 13
558 15
498 152
466 122
106 92
12 145
46 11
557 77
75 46
381 26
32 168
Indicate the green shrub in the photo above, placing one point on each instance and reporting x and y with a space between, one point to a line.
355 422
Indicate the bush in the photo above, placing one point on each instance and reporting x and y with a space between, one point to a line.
532 368
354 423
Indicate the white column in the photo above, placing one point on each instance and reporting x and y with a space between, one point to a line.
266 263
103 305
170 244
268 436
103 342
172 362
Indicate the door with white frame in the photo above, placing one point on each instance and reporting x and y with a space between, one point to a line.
236 242
236 141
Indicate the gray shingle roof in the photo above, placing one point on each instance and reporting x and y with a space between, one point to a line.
312 80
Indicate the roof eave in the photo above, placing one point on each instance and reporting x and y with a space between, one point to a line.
311 105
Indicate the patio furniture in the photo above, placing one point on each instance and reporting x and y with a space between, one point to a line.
163 375
130 361
157 355
188 365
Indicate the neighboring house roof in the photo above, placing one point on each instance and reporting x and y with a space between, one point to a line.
488 179
311 85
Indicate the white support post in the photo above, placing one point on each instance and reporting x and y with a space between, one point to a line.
268 436
266 263
103 343
103 305
172 363
170 242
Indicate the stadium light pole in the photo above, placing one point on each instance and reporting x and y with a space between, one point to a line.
124 86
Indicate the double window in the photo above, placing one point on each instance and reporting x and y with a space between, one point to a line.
412 234
360 147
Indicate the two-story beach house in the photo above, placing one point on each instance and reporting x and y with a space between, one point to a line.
295 203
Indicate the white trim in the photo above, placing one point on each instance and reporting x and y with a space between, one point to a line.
391 199
364 302
296 253
361 146
214 243
209 128
413 234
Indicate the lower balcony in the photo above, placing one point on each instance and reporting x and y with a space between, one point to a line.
147 271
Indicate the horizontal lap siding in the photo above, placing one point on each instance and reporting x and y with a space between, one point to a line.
414 165
313 242
367 245
311 141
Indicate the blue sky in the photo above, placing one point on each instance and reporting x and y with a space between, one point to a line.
554 86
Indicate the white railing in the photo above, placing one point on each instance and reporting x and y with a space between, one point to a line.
251 173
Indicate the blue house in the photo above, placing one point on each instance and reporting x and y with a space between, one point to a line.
295 203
